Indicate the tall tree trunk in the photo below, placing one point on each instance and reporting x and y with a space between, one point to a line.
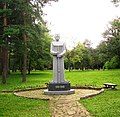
29 66
4 61
69 64
24 58
25 46
4 51
9 63
21 65
0 60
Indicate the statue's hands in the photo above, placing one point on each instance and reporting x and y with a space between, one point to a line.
59 55
55 53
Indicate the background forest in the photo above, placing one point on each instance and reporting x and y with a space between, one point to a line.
105 55
25 42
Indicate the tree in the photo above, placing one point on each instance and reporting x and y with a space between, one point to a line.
68 60
102 54
33 7
0 61
20 17
4 48
80 56
116 2
112 36
115 62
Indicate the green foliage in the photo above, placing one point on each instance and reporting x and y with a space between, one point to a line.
113 63
11 31
112 35
83 56
79 56
108 51
7 1
25 17
68 59
39 47
107 65
7 11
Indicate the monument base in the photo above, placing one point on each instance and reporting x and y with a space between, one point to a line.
58 86
71 91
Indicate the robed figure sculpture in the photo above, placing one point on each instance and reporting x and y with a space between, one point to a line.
58 50
58 85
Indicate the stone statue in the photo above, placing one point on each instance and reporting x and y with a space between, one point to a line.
59 85
58 49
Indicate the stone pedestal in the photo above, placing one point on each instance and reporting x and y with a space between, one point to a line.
59 89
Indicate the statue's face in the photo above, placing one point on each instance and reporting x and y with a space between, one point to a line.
57 37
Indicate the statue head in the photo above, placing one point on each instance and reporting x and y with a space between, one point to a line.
57 37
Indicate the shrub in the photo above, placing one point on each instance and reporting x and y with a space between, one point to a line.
113 63
107 65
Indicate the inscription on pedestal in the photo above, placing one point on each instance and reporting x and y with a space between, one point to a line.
58 87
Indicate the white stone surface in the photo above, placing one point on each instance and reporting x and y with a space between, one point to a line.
58 49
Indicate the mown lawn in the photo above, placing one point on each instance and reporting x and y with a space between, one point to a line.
94 78
12 106
104 105
35 79
82 78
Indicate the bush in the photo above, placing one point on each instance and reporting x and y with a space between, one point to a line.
107 65
113 63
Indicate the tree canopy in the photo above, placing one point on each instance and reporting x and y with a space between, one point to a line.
25 41
24 37
106 55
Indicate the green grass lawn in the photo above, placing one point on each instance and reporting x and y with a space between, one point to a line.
35 79
12 106
94 78
104 105
82 78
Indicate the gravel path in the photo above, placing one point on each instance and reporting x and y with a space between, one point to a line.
63 105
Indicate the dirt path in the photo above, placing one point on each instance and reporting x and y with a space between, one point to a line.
63 105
